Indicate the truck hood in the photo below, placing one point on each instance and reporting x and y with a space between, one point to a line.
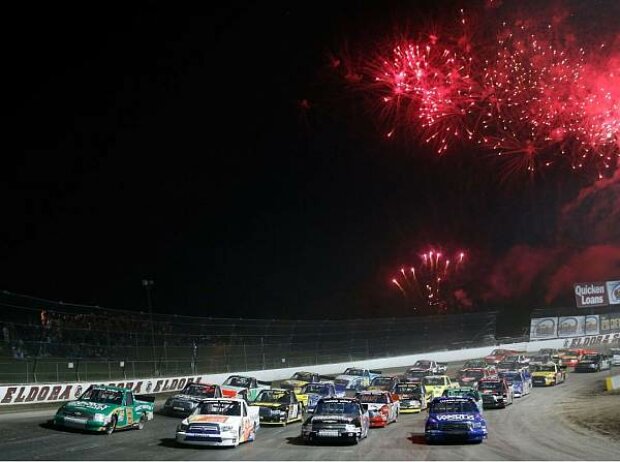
543 374
453 417
221 419
330 418
196 399
270 405
89 407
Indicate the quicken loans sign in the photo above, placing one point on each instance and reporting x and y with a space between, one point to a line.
591 294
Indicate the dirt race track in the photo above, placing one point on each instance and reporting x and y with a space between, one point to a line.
558 423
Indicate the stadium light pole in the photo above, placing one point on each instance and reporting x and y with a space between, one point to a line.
148 283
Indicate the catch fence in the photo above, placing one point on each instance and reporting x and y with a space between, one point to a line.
52 341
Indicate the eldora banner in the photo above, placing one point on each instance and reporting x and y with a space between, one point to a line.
58 392
592 324
591 341
542 328
571 326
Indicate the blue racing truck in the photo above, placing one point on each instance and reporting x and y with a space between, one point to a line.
452 419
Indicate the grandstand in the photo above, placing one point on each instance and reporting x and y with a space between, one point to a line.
43 340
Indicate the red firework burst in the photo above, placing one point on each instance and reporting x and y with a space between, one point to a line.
430 285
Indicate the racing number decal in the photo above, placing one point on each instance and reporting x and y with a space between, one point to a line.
130 416
293 412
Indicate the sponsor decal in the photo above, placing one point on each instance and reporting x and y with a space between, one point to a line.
613 292
209 419
591 294
455 417
89 405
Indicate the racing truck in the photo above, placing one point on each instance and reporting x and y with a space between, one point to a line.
466 392
244 387
431 367
105 409
312 392
496 393
382 408
337 419
384 383
219 422
411 396
593 363
548 374
521 381
192 394
498 355
452 419
471 377
436 384
278 406
354 379
298 380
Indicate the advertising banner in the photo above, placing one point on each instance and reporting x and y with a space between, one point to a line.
613 292
571 326
57 392
542 328
592 324
582 342
589 294
609 323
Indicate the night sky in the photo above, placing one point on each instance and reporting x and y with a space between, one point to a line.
218 153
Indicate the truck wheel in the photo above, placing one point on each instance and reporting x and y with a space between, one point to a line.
109 429
141 422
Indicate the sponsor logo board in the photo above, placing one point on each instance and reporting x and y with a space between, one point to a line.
590 294
609 323
613 292
571 326
541 328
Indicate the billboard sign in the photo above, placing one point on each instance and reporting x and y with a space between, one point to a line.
592 324
571 326
590 294
610 322
613 292
542 328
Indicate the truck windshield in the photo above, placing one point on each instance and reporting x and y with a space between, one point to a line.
433 381
454 406
272 396
333 407
416 374
422 364
220 408
357 372
196 389
305 376
510 378
473 374
317 388
408 388
493 386
236 381
475 363
99 395
381 382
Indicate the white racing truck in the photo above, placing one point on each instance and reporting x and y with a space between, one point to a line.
219 422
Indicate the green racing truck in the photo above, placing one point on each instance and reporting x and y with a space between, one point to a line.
105 409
